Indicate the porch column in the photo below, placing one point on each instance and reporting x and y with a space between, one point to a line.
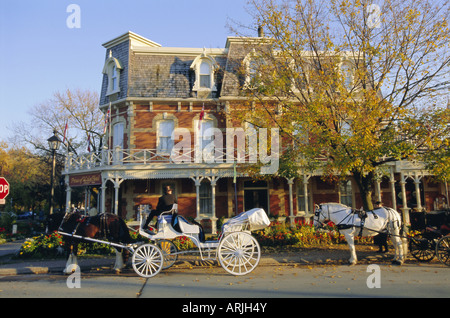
305 192
103 196
405 209
68 194
417 179
213 199
394 198
117 182
378 189
291 203
197 180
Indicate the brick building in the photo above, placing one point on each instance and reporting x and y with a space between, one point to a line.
149 90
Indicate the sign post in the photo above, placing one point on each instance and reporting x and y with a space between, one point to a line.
4 190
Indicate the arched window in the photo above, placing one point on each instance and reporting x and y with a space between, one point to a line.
347 74
204 67
118 132
205 75
253 65
165 142
112 70
115 78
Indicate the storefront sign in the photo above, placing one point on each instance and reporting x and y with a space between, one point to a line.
85 180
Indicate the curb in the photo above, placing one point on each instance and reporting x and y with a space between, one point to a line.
22 268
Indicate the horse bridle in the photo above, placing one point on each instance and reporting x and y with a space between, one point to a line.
318 212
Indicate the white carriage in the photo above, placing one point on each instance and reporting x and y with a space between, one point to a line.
237 250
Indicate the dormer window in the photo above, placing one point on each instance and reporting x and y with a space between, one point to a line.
115 79
112 70
205 75
252 67
204 67
347 74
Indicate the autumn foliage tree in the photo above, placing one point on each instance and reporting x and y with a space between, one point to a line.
353 84
28 176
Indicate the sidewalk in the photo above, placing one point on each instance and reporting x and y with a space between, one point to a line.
326 256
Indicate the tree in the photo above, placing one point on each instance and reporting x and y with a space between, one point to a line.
78 109
28 175
353 84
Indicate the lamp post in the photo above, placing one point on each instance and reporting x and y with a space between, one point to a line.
53 143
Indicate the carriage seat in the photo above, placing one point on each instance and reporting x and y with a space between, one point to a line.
181 225
185 226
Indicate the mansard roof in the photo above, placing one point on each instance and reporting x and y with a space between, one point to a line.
150 70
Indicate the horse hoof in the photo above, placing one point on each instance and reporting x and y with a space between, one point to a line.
397 263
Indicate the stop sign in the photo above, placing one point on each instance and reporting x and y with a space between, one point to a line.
4 188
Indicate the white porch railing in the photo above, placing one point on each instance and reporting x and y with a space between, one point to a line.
118 156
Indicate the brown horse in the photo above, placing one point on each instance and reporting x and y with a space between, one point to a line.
104 227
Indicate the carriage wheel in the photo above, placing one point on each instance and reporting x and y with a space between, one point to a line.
239 253
421 249
170 252
147 260
443 250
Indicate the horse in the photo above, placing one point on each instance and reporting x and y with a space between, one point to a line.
105 226
352 223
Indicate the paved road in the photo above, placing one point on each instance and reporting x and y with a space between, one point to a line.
277 276
283 281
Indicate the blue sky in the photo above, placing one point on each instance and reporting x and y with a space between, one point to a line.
40 54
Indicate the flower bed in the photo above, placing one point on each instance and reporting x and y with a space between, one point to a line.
302 235
42 246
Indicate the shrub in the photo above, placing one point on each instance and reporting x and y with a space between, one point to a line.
51 246
42 246
302 235
183 243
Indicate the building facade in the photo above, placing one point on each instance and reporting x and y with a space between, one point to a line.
150 92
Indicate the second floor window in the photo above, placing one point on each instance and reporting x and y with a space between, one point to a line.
206 133
118 135
165 142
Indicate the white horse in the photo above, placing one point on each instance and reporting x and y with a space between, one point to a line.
376 221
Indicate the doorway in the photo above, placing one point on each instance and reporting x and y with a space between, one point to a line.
256 195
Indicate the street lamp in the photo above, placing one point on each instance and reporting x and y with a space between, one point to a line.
53 143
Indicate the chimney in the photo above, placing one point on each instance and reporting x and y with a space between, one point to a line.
260 31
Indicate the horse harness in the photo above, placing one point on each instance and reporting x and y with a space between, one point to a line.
103 224
344 226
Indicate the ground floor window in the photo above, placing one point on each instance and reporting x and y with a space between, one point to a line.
345 192
205 198
301 199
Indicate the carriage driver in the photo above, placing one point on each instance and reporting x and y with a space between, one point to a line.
165 203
